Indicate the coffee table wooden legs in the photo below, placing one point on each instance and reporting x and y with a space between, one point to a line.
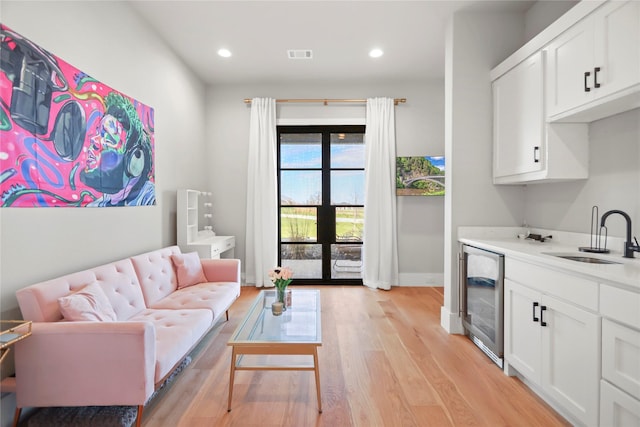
317 371
261 350
231 376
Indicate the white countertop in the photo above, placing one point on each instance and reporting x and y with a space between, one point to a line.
505 241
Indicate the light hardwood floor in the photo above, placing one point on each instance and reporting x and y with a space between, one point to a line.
385 361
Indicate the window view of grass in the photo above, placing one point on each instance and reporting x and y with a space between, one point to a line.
321 190
299 224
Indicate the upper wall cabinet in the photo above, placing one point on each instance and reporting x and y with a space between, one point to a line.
518 119
593 68
525 148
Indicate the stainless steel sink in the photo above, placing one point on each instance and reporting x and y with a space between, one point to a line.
582 258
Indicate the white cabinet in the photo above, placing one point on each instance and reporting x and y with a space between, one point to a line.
213 247
621 357
593 68
522 331
620 391
570 357
551 342
526 148
618 409
192 236
188 216
518 119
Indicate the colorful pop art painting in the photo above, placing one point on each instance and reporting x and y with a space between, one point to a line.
65 138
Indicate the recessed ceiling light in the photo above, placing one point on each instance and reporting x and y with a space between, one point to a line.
376 53
225 53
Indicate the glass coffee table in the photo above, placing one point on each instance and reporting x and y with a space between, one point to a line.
288 342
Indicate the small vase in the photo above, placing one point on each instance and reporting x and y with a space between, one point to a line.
281 296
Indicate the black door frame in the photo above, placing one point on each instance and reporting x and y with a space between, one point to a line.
326 232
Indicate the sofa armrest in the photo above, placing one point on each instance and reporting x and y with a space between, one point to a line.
86 364
221 270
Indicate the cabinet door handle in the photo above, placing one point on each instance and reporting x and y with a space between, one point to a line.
535 319
542 310
536 154
595 77
586 76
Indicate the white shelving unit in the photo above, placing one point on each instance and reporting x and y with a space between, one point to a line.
192 206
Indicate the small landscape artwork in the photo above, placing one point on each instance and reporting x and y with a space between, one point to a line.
420 176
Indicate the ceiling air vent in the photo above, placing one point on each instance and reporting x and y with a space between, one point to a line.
300 54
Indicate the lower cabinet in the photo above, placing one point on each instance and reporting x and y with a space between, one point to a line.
620 385
556 346
522 331
617 409
570 358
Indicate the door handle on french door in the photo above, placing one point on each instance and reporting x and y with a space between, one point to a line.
586 76
535 319
542 310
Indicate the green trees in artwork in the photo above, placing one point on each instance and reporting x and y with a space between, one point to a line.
418 176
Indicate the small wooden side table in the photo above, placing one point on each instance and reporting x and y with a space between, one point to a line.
12 331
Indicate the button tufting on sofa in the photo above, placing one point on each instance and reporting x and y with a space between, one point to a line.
157 326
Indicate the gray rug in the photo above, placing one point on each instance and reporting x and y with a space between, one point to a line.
94 416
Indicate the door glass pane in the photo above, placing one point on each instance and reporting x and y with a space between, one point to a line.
298 224
321 181
347 150
347 187
346 261
301 188
301 151
349 223
304 260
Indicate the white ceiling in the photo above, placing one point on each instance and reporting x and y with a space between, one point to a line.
340 33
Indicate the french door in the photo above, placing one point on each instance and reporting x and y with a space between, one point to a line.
321 202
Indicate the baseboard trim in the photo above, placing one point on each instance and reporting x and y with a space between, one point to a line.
404 279
421 279
451 322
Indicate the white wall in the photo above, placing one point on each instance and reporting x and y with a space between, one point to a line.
419 131
109 42
614 182
476 42
543 13
41 243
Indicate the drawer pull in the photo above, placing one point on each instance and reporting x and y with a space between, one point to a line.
586 76
535 319
543 308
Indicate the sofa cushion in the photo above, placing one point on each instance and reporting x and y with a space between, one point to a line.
156 273
89 303
177 332
119 282
188 269
216 297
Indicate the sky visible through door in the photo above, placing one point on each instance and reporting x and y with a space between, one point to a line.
321 184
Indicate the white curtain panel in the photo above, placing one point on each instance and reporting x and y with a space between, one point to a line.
262 195
380 253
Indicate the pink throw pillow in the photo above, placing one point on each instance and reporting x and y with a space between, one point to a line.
89 303
189 269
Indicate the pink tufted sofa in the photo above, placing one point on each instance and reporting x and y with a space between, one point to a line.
96 363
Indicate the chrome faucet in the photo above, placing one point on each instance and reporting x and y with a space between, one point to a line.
629 247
